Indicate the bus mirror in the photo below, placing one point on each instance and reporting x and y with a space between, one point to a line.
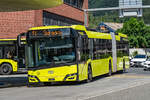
19 38
79 45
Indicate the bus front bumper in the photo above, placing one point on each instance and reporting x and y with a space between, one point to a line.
39 79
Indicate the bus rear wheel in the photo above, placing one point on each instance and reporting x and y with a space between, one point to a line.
5 69
110 68
124 67
47 83
89 79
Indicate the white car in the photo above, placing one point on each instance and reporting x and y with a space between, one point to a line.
146 64
138 60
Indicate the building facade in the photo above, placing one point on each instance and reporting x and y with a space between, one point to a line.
69 13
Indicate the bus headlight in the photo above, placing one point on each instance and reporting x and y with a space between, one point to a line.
70 76
33 78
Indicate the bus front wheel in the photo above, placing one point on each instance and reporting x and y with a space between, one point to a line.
89 79
5 69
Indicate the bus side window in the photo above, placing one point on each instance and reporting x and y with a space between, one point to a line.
125 49
9 52
79 47
83 50
90 48
94 49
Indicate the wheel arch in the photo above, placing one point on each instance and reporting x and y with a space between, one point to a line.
6 63
6 68
89 64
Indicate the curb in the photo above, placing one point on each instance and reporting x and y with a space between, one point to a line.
6 85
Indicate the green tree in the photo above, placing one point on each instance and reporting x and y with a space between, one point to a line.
93 21
114 14
138 33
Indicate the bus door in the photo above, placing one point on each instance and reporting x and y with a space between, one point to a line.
20 45
21 56
83 55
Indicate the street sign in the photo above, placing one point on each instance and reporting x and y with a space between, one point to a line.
130 8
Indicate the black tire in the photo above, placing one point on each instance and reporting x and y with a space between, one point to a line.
29 84
124 66
110 68
33 85
47 83
89 79
5 69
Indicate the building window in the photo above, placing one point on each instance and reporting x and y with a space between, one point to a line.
75 3
53 19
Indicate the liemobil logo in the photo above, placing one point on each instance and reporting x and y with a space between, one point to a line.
50 72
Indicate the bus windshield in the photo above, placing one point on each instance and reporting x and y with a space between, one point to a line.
55 50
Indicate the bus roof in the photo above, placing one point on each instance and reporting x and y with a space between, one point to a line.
122 35
8 39
11 39
77 27
91 34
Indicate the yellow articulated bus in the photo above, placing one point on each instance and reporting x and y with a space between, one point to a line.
73 53
11 56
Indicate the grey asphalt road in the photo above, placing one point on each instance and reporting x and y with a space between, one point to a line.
134 85
141 92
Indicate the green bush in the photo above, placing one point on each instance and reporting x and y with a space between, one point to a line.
134 53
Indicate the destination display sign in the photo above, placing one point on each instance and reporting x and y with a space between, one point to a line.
49 32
